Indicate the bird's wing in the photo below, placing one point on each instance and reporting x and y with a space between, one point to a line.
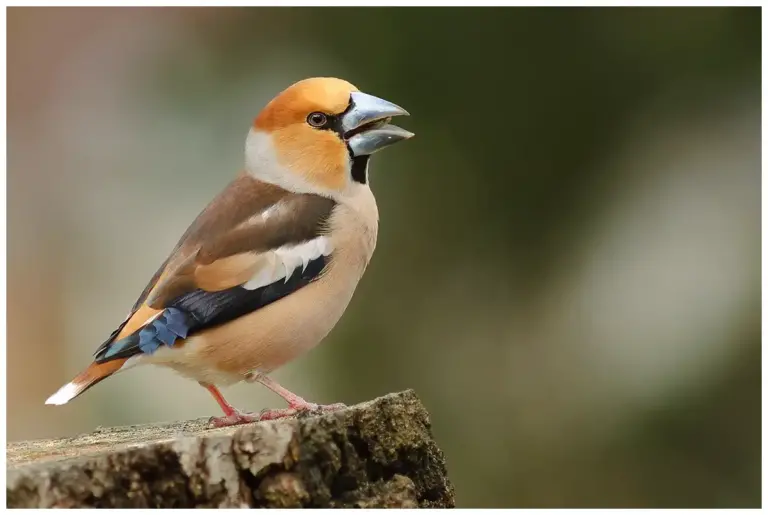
252 245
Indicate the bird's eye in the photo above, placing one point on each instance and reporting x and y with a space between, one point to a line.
317 119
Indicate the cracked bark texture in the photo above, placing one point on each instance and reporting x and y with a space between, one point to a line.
373 455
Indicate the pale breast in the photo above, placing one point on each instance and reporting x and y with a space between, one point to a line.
274 335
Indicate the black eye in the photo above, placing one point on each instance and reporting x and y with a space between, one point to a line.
317 119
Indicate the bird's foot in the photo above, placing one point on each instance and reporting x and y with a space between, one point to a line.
297 408
234 419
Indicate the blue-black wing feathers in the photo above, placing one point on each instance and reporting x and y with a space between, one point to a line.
200 309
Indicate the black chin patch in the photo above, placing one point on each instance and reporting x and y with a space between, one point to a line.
360 169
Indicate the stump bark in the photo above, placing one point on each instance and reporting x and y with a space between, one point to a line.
377 454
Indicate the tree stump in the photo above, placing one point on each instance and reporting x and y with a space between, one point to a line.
376 454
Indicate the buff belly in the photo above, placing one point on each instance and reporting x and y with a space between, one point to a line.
264 340
270 337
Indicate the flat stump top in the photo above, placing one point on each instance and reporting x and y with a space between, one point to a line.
379 453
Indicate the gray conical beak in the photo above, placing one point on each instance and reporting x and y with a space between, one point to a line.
366 126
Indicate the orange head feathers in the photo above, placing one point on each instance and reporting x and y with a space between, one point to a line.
317 135
291 107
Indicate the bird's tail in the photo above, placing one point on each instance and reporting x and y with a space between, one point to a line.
87 378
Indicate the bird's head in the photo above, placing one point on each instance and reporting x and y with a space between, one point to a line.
317 136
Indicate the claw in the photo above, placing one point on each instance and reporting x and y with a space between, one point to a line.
274 414
234 419
297 409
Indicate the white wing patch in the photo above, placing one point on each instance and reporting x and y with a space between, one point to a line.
282 262
261 217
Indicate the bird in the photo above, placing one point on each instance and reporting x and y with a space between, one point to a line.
269 266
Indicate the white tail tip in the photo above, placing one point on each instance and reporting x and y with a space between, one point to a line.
64 395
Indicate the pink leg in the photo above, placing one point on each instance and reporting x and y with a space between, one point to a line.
232 416
295 403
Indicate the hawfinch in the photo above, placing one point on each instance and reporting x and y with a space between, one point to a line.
267 269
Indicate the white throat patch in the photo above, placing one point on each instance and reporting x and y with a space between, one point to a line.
262 163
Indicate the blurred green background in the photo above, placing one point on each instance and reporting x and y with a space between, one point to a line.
568 266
